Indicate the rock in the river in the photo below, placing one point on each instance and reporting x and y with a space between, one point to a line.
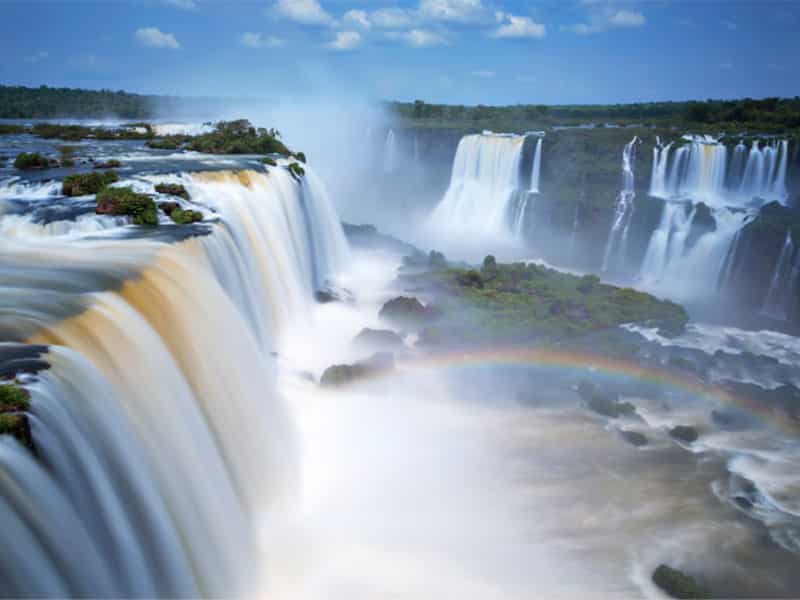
684 433
610 407
405 311
634 438
380 339
337 375
678 584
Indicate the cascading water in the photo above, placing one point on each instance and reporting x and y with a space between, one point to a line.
537 166
780 288
483 198
618 236
390 153
701 171
158 415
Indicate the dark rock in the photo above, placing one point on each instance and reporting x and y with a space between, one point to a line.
172 189
338 375
743 502
333 294
684 433
678 584
610 407
168 207
634 438
403 310
384 339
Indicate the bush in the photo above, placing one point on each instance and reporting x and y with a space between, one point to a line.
124 201
13 397
34 160
295 170
437 260
269 161
172 189
238 137
185 217
301 156
471 278
587 284
82 184
67 156
169 142
109 164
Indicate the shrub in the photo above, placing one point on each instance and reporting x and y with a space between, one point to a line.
172 189
295 170
124 201
301 156
470 278
109 164
269 161
238 137
169 142
34 160
437 260
185 217
67 156
13 397
82 184
587 283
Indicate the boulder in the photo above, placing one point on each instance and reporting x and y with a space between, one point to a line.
611 407
684 433
338 375
634 438
678 584
172 189
405 311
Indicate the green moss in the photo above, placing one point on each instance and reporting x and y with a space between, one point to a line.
295 170
25 161
13 397
9 129
300 156
124 201
82 184
269 161
172 189
185 217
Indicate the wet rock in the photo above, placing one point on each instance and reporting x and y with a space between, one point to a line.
610 407
14 400
684 433
168 207
109 164
406 311
172 189
383 339
333 294
338 375
743 502
678 584
634 438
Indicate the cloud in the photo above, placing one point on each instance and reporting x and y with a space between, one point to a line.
485 73
391 18
184 4
358 18
458 11
730 25
153 37
37 57
305 12
345 40
513 26
606 19
418 38
258 40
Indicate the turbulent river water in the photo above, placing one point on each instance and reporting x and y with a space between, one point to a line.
184 446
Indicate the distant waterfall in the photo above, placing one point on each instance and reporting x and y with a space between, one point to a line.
537 167
161 438
391 154
780 288
623 212
701 171
483 198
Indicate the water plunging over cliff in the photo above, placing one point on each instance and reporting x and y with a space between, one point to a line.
618 236
391 153
782 282
161 440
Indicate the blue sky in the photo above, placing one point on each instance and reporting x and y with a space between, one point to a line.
453 51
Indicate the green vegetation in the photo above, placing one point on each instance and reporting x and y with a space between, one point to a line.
172 189
767 115
269 161
26 161
13 397
301 156
124 201
238 137
295 170
185 217
10 129
678 584
17 102
112 163
67 156
515 303
169 142
83 184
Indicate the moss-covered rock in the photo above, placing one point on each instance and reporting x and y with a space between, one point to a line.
13 397
270 162
301 156
172 189
405 311
338 375
83 184
26 161
185 217
124 201
14 400
610 407
295 170
678 584
112 163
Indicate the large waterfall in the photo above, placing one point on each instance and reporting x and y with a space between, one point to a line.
161 442
704 170
618 236
391 153
484 197
782 282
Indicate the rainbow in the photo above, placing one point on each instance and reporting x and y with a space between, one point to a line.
572 361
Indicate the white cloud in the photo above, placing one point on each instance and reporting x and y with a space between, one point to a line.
258 40
459 11
184 4
607 19
345 40
391 18
418 38
485 73
730 25
305 12
358 18
153 37
37 57
627 18
518 27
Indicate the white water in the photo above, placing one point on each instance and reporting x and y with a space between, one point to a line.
701 171
482 199
391 153
623 212
537 167
164 440
780 289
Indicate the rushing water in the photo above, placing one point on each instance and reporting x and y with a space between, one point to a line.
623 212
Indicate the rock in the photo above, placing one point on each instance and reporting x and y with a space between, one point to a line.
333 294
405 311
172 189
383 339
684 433
338 375
610 407
678 584
15 399
729 420
168 207
743 502
634 438
17 425
109 164
470 278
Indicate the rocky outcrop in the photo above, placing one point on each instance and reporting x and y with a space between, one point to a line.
684 433
172 189
340 375
406 311
678 584
123 201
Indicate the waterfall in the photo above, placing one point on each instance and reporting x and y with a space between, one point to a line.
158 415
537 167
623 212
701 171
484 197
390 153
779 293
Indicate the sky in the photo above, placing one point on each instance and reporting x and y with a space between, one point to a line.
443 51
